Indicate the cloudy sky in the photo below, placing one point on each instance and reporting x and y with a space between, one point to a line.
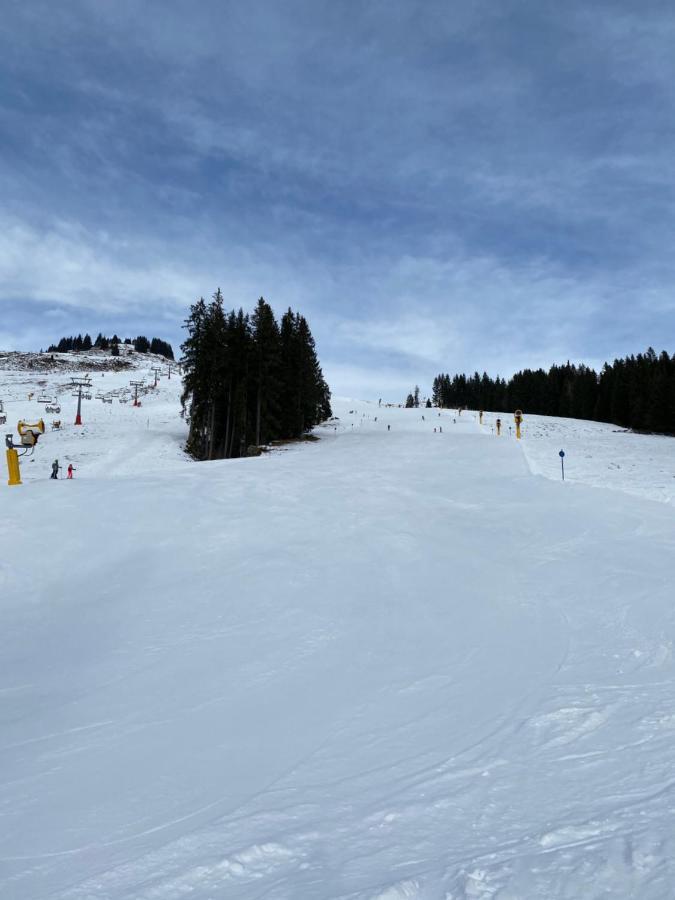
438 186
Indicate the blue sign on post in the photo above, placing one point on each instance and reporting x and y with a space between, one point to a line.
562 463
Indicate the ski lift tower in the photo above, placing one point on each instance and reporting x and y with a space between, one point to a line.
136 385
157 372
80 384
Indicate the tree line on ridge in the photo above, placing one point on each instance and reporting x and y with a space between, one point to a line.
141 344
636 392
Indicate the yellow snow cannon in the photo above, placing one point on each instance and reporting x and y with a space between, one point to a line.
29 432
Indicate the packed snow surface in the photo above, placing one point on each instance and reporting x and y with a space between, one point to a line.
389 664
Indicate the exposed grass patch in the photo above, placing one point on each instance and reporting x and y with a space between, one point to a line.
305 439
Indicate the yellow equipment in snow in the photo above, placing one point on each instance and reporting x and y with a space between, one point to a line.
30 432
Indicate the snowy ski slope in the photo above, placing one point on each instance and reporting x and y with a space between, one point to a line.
390 664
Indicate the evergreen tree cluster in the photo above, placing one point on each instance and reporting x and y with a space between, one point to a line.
68 344
637 392
249 380
413 400
141 344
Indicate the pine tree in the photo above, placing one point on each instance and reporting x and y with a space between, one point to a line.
194 398
266 370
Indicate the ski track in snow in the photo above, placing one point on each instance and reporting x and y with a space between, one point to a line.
388 665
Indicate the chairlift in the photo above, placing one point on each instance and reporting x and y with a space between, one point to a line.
53 409
43 399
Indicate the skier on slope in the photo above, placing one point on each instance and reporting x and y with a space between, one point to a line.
55 469
71 469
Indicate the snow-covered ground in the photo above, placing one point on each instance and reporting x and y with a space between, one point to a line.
390 664
602 455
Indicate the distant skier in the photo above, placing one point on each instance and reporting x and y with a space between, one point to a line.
71 469
388 427
440 429
55 469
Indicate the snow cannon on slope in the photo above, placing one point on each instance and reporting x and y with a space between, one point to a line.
30 432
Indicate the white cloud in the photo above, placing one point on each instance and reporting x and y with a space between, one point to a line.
85 270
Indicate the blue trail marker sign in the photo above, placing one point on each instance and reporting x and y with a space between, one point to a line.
562 463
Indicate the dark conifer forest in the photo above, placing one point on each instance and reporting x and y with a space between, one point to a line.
141 344
637 392
249 379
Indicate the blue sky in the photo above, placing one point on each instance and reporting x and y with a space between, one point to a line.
438 186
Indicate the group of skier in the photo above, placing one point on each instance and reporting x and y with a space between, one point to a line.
56 467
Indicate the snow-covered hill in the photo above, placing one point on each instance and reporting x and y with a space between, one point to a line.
115 438
394 663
